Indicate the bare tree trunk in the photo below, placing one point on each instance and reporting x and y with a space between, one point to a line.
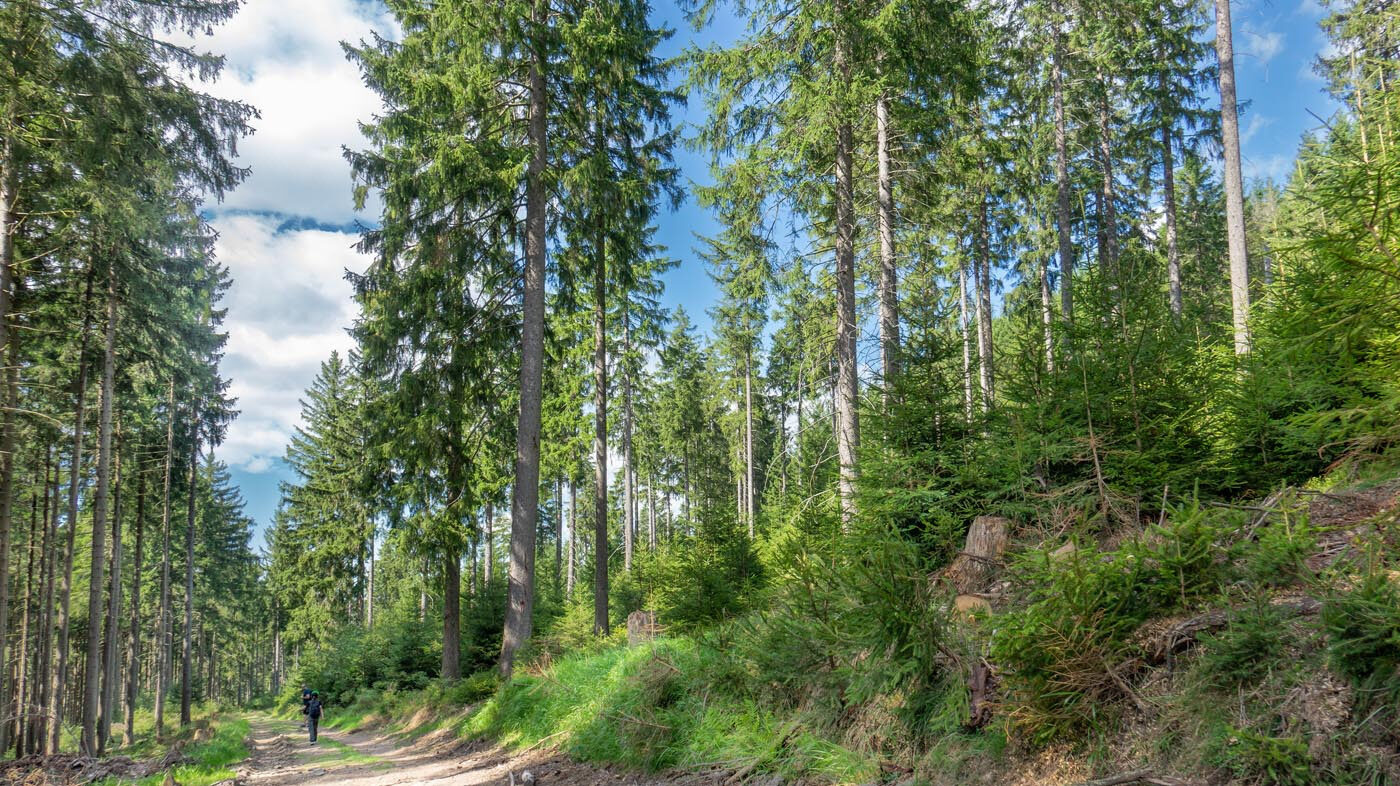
889 275
1062 197
573 535
187 650
525 496
739 479
60 673
110 661
1169 208
163 644
24 690
133 653
7 436
558 533
966 341
1108 195
369 589
1234 181
92 678
982 265
629 518
600 445
1047 314
452 615
490 544
651 511
848 383
748 442
44 657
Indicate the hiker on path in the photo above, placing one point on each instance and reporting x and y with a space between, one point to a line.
313 714
305 700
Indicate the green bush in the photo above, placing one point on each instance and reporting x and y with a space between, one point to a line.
1247 649
398 651
1264 759
1277 557
705 578
1363 636
1061 652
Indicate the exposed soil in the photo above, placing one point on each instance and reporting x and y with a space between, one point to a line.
282 756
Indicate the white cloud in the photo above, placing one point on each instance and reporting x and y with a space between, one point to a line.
1272 167
289 305
1263 46
288 308
1255 124
284 58
1311 8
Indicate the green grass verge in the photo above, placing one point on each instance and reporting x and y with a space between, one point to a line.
212 760
651 708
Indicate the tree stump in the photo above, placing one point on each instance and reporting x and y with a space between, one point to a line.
977 564
641 627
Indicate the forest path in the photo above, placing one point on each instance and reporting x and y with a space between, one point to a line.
281 756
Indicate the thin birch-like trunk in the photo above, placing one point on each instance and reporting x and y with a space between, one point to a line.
1234 181
163 643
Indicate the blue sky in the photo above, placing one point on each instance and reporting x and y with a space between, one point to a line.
284 232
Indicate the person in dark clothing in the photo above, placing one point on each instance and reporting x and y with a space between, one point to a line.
313 714
305 700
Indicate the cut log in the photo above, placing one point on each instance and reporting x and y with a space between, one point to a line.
971 605
1182 636
974 568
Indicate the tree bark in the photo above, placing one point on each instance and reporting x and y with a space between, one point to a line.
748 442
847 399
24 689
558 533
1047 314
60 673
600 445
629 518
133 653
7 438
92 677
44 655
1108 195
110 673
525 494
966 342
889 274
187 649
1169 211
1234 181
369 582
490 544
163 644
983 277
573 536
1062 196
452 615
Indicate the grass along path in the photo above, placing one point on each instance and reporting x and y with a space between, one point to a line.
282 756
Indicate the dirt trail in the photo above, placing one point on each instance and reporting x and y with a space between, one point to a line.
282 756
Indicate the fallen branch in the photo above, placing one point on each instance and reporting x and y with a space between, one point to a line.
1139 776
1133 776
1182 635
622 716
1123 686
